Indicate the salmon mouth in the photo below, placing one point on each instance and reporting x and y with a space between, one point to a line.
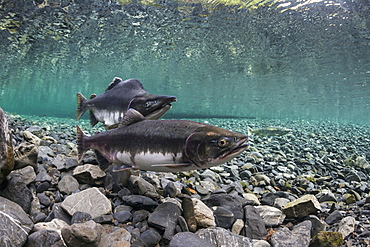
240 147
162 109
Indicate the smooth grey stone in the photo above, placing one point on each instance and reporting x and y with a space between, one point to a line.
335 216
45 238
15 224
224 217
170 190
182 224
150 237
39 217
27 174
189 239
58 212
122 216
300 236
91 201
80 217
140 186
271 216
89 174
68 184
42 187
138 201
221 237
62 162
44 199
254 224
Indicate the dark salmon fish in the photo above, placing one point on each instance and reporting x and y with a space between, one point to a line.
162 145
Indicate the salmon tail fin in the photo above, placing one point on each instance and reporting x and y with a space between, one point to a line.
81 147
80 106
103 162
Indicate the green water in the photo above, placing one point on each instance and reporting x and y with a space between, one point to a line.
252 59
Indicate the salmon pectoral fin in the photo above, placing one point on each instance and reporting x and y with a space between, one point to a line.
103 162
121 167
93 120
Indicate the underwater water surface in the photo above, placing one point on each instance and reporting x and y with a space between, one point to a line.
236 59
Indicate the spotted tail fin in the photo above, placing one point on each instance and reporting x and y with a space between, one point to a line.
80 106
80 143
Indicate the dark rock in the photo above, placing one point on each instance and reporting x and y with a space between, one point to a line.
58 212
165 217
139 216
188 239
150 237
201 191
327 239
82 234
170 190
221 237
45 238
300 236
335 216
254 224
42 175
80 217
189 215
138 201
182 224
18 192
140 186
122 216
232 202
317 225
15 224
44 199
104 219
62 162
224 217
27 174
39 217
42 187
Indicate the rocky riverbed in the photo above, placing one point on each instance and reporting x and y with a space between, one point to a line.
306 188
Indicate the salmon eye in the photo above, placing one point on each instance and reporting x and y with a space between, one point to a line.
222 142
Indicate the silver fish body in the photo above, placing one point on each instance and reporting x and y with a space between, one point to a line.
269 131
110 106
162 145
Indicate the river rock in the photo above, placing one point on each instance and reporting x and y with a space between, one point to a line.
221 237
91 201
347 226
25 154
254 224
300 236
6 148
335 216
301 207
45 238
62 162
165 217
151 237
317 224
271 216
140 186
140 202
89 174
189 215
237 226
114 237
54 225
327 239
15 224
232 202
189 239
31 137
27 174
224 217
83 234
68 184
203 214
18 192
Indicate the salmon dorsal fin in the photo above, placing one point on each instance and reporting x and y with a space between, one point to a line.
115 81
131 116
